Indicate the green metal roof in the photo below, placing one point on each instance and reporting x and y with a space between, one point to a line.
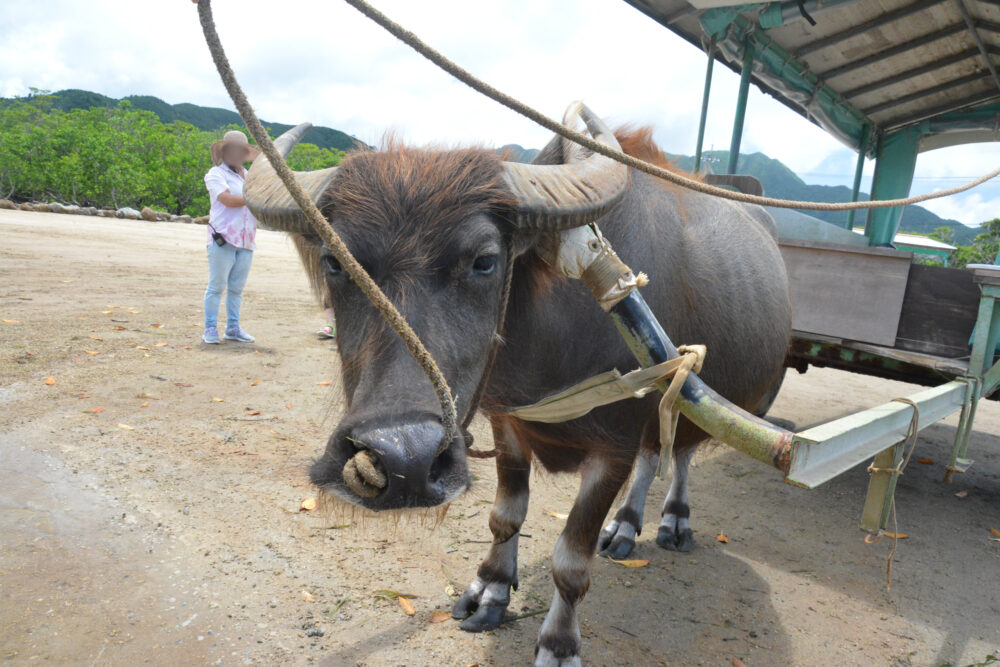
865 67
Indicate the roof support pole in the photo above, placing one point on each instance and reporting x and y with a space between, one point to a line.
704 105
858 172
741 105
895 160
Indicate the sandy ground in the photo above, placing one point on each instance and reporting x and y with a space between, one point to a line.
165 527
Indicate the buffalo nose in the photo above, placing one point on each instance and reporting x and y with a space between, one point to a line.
401 461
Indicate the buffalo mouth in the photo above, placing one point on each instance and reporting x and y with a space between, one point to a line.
393 465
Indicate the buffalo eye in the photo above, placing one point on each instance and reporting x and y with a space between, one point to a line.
485 265
332 266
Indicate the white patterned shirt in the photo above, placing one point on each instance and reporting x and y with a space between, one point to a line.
236 224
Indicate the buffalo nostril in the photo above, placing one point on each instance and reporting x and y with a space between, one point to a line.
364 475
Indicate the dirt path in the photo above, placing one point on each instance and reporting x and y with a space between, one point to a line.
164 528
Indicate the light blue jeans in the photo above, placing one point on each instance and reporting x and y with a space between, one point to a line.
228 268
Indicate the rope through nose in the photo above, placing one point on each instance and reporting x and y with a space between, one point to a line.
364 475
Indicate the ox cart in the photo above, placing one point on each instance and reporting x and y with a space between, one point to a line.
860 303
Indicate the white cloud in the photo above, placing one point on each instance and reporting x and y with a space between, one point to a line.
325 62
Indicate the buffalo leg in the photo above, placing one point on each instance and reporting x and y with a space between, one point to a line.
675 525
618 537
559 639
485 601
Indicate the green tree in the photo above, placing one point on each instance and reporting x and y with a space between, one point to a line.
984 247
943 234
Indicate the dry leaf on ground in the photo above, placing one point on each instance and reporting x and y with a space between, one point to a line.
255 383
722 538
253 413
156 326
144 405
288 405
738 663
962 494
439 616
406 606
141 347
307 505
308 597
162 344
995 532
324 383
558 515
216 399
926 462
12 321
50 381
94 411
91 351
126 427
96 338
118 328
639 562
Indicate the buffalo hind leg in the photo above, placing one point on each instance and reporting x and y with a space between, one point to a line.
559 639
618 537
675 525
485 601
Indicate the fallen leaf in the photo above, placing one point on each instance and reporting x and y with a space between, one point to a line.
255 383
308 597
156 326
216 399
962 494
288 405
94 411
896 536
185 347
253 413
995 532
307 505
439 616
558 515
631 563
30 354
112 307
144 405
324 383
96 338
738 663
12 321
406 606
926 462
125 427
141 347
134 312
107 312
161 344
91 351
118 328
50 381
183 384
65 281
146 395
722 538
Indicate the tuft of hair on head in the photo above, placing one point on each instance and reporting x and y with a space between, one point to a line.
638 142
343 513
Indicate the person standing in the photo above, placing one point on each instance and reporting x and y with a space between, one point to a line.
231 231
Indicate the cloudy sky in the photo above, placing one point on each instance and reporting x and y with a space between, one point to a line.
322 61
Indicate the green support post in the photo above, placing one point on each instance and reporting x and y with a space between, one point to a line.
741 105
858 172
704 105
894 163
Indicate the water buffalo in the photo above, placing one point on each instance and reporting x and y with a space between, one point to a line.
437 230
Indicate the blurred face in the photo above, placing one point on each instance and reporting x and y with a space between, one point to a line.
234 155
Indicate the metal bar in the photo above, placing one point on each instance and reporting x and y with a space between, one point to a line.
974 32
881 487
917 43
741 106
697 401
877 22
859 169
706 90
979 98
823 452
910 73
926 92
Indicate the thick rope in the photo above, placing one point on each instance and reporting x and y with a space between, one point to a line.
676 178
692 358
326 232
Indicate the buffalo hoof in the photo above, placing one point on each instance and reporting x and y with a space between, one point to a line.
546 658
617 540
673 540
482 608
486 617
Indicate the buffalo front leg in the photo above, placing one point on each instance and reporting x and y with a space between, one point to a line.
485 601
559 639
618 537
675 526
